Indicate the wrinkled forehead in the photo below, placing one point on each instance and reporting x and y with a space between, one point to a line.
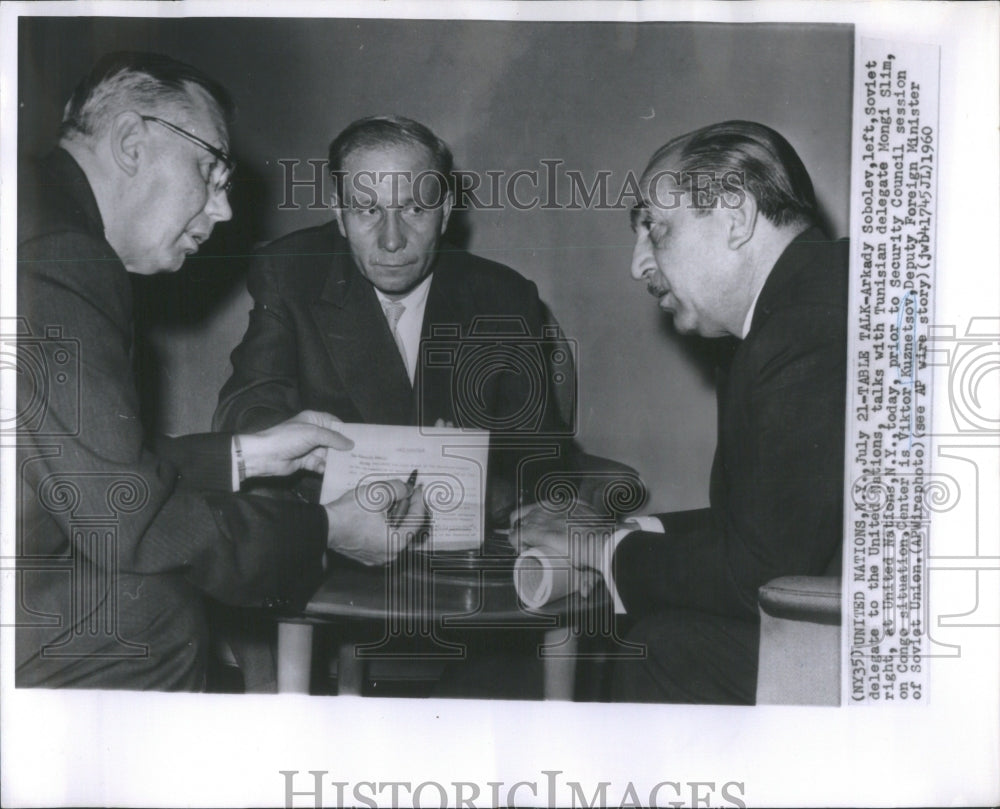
392 174
404 159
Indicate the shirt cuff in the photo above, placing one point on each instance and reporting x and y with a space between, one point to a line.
235 473
632 524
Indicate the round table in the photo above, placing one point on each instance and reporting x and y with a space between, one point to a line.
429 598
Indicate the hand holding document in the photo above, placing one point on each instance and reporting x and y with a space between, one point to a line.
301 442
450 463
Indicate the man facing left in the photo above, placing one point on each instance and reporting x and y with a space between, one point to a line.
119 541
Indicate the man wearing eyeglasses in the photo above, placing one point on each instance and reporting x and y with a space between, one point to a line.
119 538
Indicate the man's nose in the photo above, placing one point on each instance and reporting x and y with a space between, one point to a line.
217 207
391 235
643 260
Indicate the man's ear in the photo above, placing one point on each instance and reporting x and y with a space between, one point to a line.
742 222
449 200
338 213
128 141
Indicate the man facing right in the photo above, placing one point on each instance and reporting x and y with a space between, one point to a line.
727 240
122 536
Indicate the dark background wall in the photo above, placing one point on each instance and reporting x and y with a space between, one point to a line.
597 96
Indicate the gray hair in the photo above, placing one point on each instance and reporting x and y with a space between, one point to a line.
134 80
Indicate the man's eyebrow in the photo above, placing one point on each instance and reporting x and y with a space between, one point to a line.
637 214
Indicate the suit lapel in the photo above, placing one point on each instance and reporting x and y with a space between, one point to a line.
445 320
736 380
784 272
359 344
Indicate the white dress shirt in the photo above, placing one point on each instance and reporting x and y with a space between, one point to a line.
408 328
410 322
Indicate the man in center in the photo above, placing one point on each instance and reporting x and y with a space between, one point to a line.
341 310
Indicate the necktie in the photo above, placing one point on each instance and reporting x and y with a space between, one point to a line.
393 312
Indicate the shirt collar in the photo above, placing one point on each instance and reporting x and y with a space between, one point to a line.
414 298
809 234
750 312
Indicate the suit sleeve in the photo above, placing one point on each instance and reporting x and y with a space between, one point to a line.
776 508
263 389
88 458
202 460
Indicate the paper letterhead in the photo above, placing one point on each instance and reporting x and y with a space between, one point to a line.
451 467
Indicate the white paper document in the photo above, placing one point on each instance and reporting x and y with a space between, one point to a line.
450 464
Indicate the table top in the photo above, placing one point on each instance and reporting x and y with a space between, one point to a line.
455 591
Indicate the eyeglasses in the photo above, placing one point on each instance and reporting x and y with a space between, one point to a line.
220 178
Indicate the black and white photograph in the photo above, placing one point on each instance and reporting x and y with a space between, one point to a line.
533 404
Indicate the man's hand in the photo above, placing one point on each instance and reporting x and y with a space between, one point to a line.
359 525
299 443
546 526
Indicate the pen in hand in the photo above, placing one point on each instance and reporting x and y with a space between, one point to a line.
394 517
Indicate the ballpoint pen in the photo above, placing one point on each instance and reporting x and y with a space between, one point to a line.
411 483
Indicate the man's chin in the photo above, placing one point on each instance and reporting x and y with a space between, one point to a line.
163 267
682 323
172 260
175 265
394 285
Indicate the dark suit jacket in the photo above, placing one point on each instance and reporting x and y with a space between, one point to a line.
317 339
83 460
777 480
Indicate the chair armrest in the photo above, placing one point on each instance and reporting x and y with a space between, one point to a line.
803 598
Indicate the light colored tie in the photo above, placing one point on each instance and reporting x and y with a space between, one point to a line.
393 312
